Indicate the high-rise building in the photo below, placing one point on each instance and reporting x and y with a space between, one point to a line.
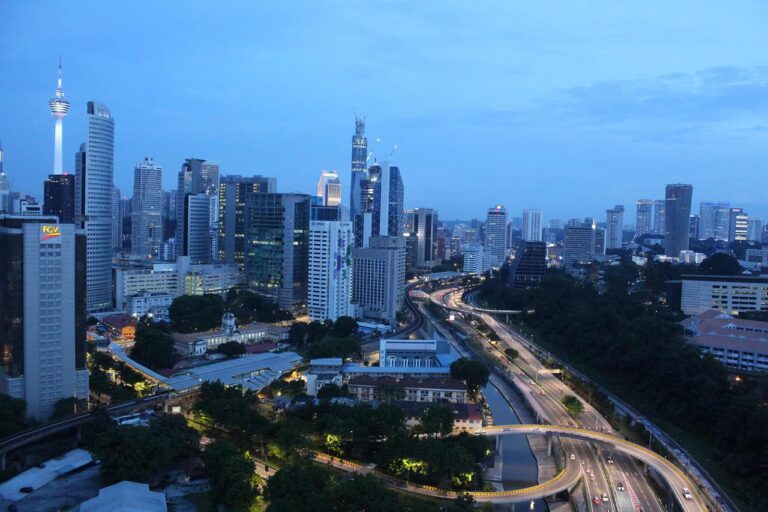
644 217
169 214
422 223
378 282
59 197
738 225
755 230
495 246
381 209
693 231
582 243
233 191
197 228
659 205
6 200
196 177
59 109
276 255
714 220
532 225
475 261
93 203
147 209
677 209
329 188
614 227
43 317
529 265
117 220
359 165
329 292
210 175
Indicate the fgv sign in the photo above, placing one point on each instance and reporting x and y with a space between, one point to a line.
48 232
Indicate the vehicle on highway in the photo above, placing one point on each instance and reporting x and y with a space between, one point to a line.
620 486
573 456
605 497
26 489
610 460
687 493
596 500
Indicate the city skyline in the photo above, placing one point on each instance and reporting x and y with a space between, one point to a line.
649 120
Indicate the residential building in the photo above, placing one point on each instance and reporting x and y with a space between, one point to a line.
231 224
677 210
729 294
738 344
582 243
644 217
495 246
378 282
532 226
59 197
422 222
529 265
738 225
276 255
475 261
330 270
659 207
94 204
146 212
43 316
329 188
614 227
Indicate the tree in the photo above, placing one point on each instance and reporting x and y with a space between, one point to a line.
231 349
473 373
12 415
720 264
364 493
68 407
300 486
316 331
298 333
331 346
436 420
331 390
511 353
194 313
153 348
92 320
573 405
345 326
232 476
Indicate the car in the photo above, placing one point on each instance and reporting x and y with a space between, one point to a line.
573 456
610 460
605 497
687 493
596 500
26 489
620 486
41 465
592 476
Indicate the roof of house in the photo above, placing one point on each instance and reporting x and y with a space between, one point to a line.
408 382
120 321
126 497
326 361
714 328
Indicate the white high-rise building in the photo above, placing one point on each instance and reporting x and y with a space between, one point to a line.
532 225
59 109
378 282
755 230
474 260
329 188
614 227
93 204
147 211
644 217
495 246
329 291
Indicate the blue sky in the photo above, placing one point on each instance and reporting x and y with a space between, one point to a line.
571 107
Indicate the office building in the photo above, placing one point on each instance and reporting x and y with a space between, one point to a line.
329 291
677 212
714 220
329 188
118 210
755 230
93 203
644 217
158 278
197 225
582 243
28 206
529 265
197 178
659 205
495 246
378 282
6 201
738 225
422 223
475 261
147 209
43 317
359 166
59 197
532 226
694 224
231 224
276 255
381 209
207 278
729 294
59 109
614 227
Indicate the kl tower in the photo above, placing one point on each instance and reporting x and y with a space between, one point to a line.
59 109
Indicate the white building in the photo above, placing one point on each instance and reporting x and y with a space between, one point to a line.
614 227
147 209
739 344
160 278
496 235
329 188
378 281
206 278
729 294
532 226
329 291
126 497
475 261
691 257
153 304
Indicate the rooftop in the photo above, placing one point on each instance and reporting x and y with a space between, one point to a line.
716 329
408 382
326 361
126 497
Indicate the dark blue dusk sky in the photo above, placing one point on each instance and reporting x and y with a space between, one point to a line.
571 107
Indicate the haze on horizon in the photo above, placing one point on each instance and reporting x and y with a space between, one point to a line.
568 108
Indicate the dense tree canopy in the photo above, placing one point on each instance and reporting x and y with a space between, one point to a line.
12 415
473 373
153 347
231 474
231 349
250 307
720 264
195 313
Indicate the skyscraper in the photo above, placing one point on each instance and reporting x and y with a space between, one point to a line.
582 242
329 188
6 202
422 223
59 108
495 245
738 225
196 178
378 282
233 191
117 220
532 225
644 217
42 318
677 218
93 203
659 205
714 220
277 247
329 292
59 197
146 213
614 224
381 209
359 165
755 230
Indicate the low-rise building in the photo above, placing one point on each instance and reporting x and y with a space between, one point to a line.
121 326
739 344
366 388
729 294
160 278
191 344
126 497
154 305
322 372
466 417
